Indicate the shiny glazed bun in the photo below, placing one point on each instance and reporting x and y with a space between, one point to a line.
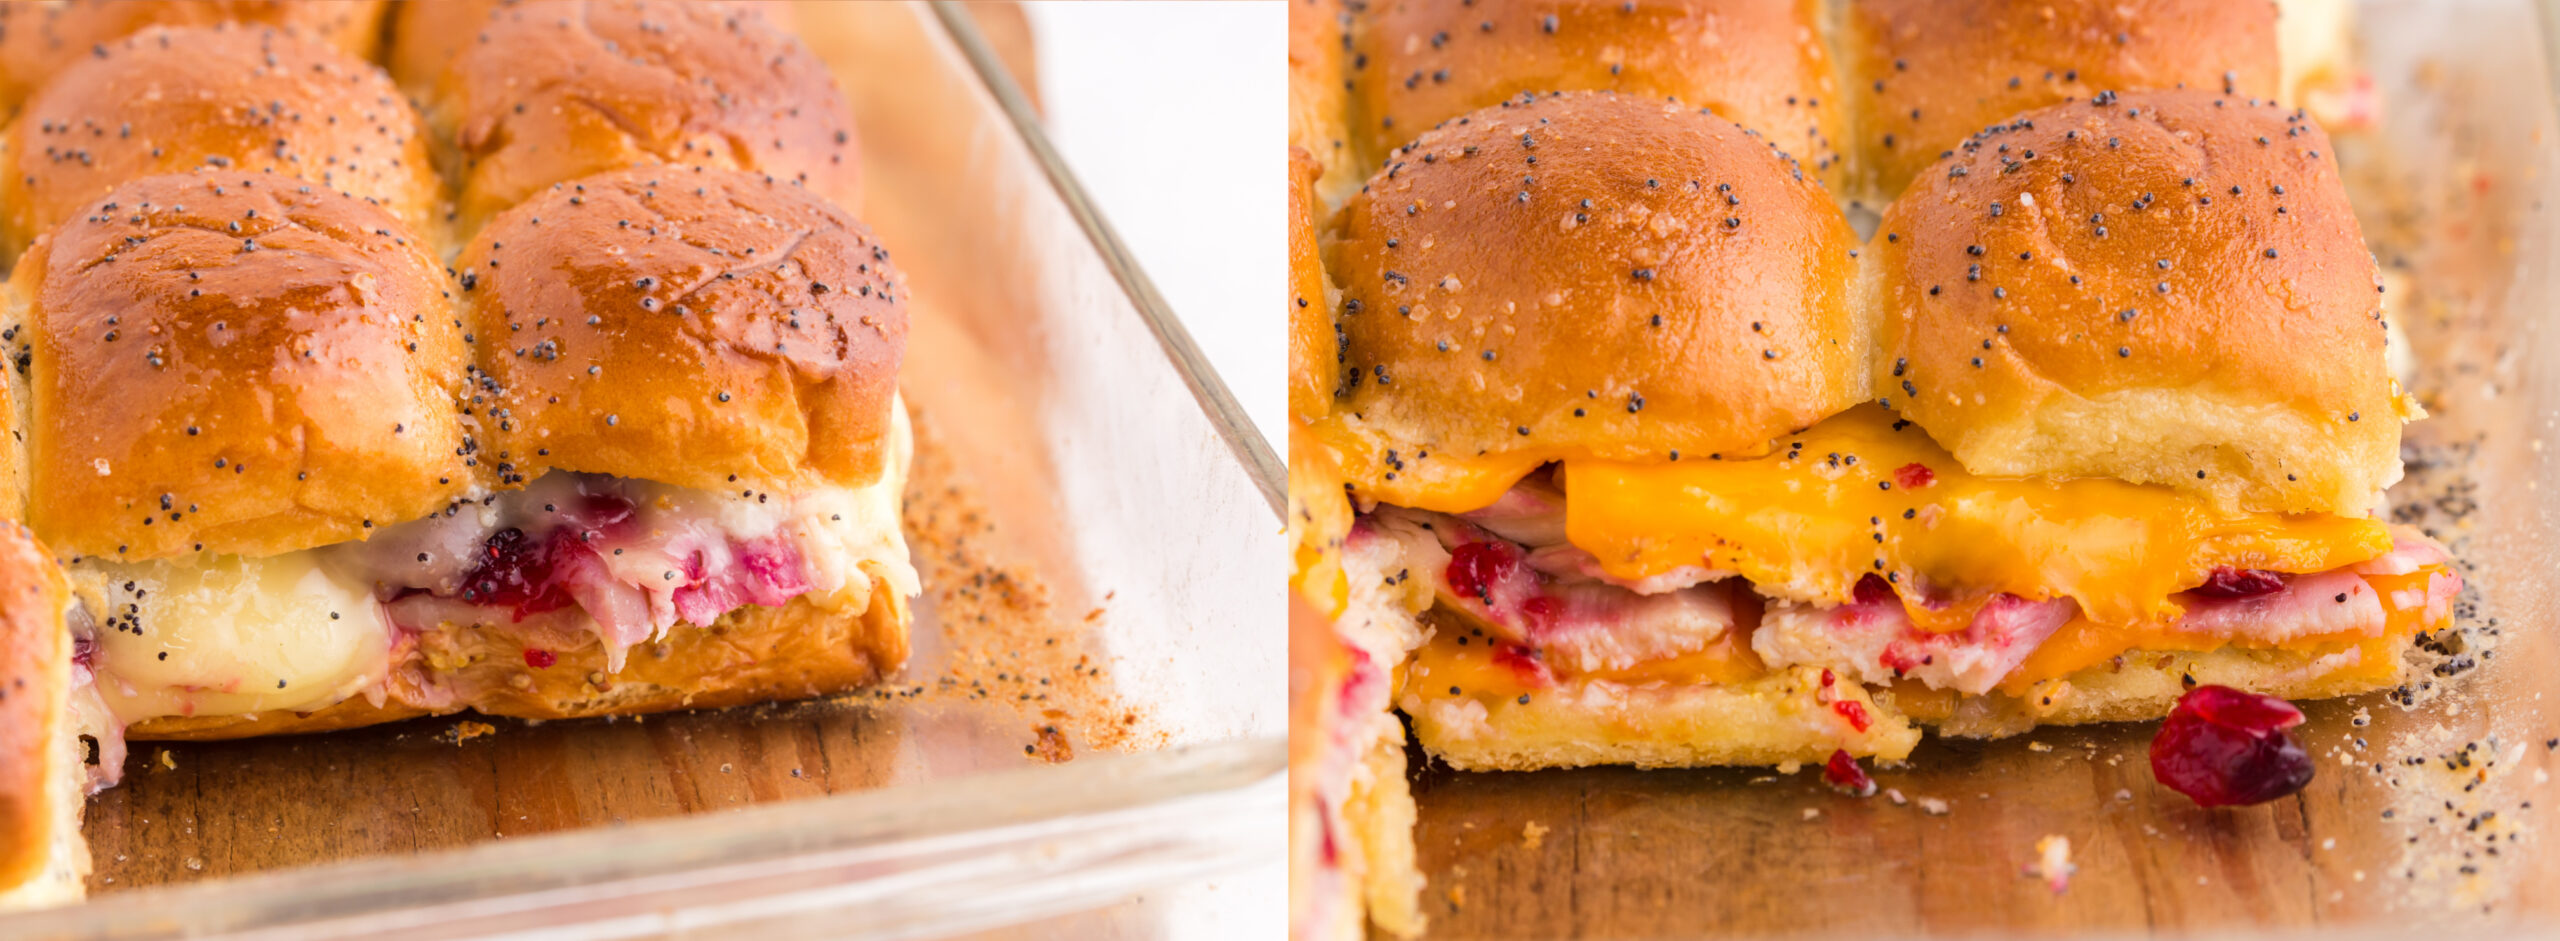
426 36
237 363
38 40
1318 92
1926 73
1592 274
704 328
2162 287
235 99
1759 63
548 92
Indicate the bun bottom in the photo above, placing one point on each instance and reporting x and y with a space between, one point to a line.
1381 816
750 655
1779 719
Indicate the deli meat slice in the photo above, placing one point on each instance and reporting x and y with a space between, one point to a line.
1873 640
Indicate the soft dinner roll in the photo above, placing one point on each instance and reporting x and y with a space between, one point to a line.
1311 340
1587 274
1759 63
705 328
39 39
235 361
1926 73
548 92
242 100
427 35
42 773
2161 287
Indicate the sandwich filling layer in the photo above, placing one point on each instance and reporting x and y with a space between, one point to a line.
570 560
1860 548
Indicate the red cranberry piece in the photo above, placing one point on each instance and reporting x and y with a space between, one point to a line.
1525 664
539 659
2228 582
1843 772
516 571
1476 567
1854 712
1872 589
1914 476
2224 747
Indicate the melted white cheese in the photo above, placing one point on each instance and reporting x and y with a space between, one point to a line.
226 635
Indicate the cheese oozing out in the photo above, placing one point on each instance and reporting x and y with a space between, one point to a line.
1982 582
620 560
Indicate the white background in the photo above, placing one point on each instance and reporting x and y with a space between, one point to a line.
1173 115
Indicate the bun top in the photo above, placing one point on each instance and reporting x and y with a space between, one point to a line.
1586 274
1926 73
39 40
1317 90
35 654
235 99
548 92
703 328
236 363
1760 63
2164 287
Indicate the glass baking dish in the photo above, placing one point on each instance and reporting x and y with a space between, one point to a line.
1100 586
2434 817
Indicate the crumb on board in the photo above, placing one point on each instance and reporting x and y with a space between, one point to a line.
2053 862
1457 896
168 761
1811 813
467 730
1533 835
1933 806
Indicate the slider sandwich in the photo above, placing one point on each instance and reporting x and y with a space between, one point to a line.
1671 477
1762 64
41 38
545 91
1351 810
645 453
1925 74
242 99
55 733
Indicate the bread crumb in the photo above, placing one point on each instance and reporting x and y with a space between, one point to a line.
1457 896
1532 835
1895 795
1933 806
168 761
2053 862
1812 812
467 730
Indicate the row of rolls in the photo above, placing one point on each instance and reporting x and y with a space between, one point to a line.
1584 247
372 360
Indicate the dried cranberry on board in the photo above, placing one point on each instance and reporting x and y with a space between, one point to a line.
1842 772
2224 747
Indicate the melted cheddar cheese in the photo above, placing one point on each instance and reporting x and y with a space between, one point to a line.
1863 493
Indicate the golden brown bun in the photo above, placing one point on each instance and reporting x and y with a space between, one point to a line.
1319 93
245 100
239 362
1926 73
427 34
1776 719
35 712
1311 344
39 40
611 340
549 92
2146 685
1676 280
750 655
1759 63
2250 367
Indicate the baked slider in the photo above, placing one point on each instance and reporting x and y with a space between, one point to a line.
257 411
242 99
551 91
1760 63
2119 431
1319 93
40 39
1926 74
1351 810
60 742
